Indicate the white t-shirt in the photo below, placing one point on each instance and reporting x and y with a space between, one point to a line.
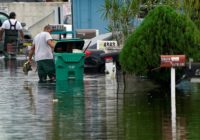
42 49
6 24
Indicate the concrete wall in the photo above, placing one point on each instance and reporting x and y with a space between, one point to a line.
33 13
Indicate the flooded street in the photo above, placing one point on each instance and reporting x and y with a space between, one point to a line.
95 108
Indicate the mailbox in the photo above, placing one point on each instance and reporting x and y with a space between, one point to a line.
169 61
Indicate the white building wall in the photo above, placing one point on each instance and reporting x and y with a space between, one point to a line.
33 13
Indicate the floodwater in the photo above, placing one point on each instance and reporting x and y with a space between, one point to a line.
99 107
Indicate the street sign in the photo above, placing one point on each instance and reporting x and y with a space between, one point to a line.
106 45
169 61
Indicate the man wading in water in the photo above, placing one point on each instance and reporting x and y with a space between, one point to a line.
12 29
43 47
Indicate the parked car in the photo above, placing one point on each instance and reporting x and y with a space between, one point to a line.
95 59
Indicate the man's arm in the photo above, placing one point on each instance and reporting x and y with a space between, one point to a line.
1 34
31 52
51 43
21 34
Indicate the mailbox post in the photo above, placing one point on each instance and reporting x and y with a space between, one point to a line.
169 61
173 61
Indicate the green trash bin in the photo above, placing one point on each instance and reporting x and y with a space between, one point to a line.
69 65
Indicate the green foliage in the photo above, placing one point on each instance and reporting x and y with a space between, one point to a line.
151 3
163 31
192 9
120 14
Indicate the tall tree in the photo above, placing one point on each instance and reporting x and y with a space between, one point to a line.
163 31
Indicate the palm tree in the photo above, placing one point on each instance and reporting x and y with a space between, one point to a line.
120 14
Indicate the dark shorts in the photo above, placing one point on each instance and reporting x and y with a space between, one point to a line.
46 68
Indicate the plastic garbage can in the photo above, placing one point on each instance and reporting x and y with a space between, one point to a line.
69 65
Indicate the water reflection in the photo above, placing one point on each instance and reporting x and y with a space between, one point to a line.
40 108
95 108
70 87
188 110
10 66
69 112
28 87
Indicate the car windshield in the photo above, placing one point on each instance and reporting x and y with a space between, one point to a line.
93 42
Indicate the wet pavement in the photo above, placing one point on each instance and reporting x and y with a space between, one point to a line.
96 108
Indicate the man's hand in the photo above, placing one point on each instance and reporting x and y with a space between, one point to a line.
30 60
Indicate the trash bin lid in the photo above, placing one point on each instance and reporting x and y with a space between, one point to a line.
67 45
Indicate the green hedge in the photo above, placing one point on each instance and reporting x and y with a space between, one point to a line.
163 31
